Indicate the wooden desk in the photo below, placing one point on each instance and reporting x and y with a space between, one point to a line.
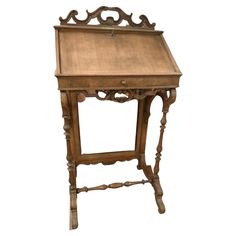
117 63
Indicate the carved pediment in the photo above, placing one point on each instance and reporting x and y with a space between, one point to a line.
109 21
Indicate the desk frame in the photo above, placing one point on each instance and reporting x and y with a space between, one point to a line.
69 100
72 91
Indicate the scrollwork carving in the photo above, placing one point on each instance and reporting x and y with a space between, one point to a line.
109 21
124 95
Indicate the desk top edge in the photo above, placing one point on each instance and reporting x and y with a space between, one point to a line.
174 74
107 28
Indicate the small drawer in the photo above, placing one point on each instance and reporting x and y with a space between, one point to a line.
97 82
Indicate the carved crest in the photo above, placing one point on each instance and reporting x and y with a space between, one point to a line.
109 21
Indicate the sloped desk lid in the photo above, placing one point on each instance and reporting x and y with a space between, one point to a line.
110 49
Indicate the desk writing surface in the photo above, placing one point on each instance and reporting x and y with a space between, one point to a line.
112 52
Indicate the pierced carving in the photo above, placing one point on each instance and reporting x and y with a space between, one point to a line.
109 21
167 101
112 186
124 95
120 96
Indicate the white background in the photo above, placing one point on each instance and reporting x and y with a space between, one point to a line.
198 164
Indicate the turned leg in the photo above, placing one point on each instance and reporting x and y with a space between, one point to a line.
141 134
66 108
142 123
73 195
167 101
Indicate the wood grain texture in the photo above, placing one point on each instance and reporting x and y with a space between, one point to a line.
131 61
106 158
133 54
124 95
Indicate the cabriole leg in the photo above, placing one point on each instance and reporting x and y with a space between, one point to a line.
142 124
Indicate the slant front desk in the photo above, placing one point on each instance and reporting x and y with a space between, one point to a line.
118 63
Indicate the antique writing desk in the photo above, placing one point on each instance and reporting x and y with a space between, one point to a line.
121 63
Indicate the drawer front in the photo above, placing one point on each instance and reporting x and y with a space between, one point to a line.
82 83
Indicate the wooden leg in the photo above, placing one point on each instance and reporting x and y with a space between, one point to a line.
141 133
167 101
73 195
158 194
66 109
141 129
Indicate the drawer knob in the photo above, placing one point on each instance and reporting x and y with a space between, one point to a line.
123 82
80 97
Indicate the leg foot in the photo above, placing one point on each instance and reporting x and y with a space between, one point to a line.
73 219
73 211
66 98
139 166
158 195
160 204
